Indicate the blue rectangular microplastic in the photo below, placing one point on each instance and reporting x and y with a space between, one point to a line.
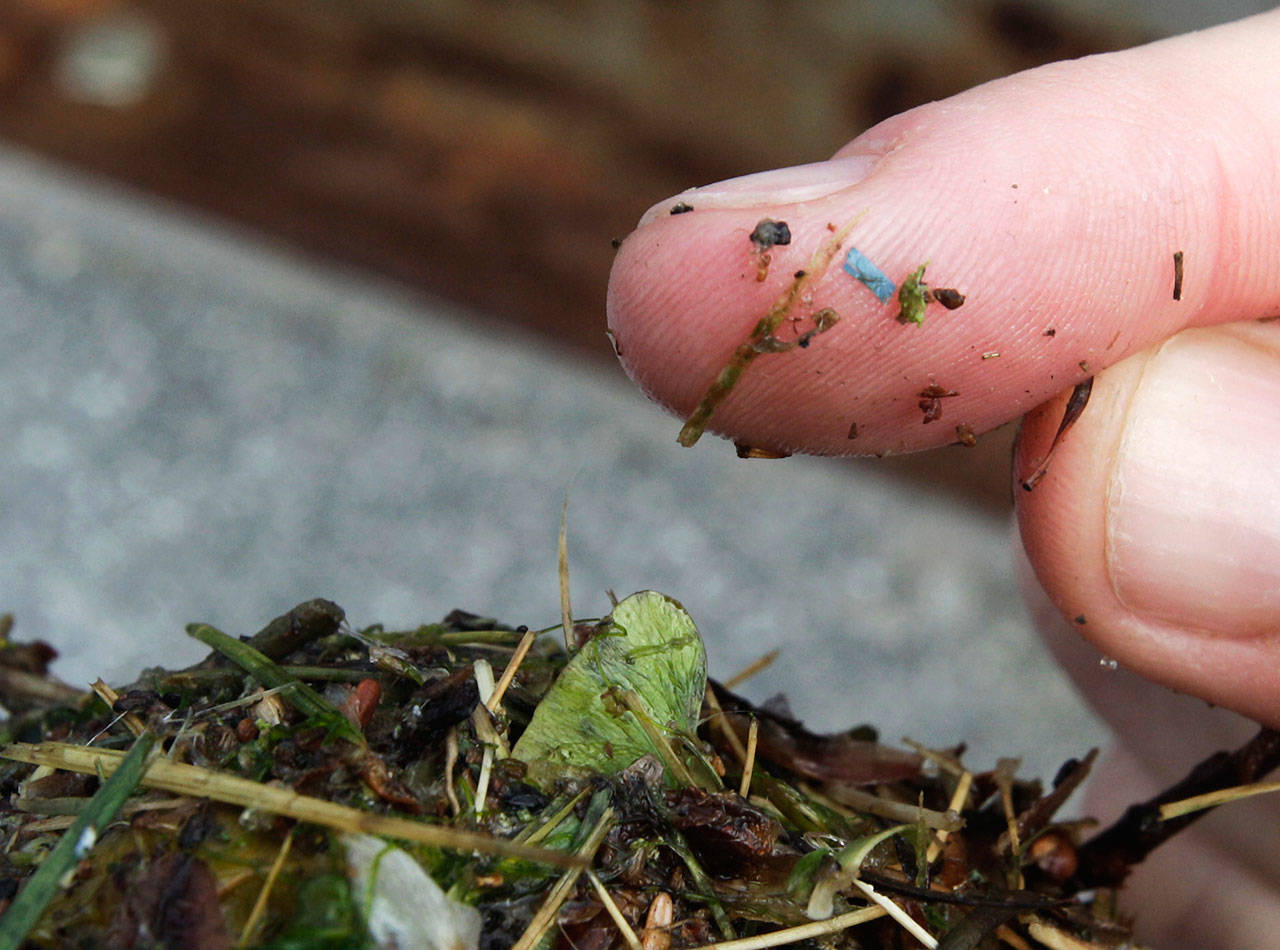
857 264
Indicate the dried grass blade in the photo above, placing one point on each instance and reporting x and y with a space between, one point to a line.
509 674
30 904
748 766
722 723
615 913
1197 803
560 892
260 905
819 928
955 805
758 665
898 914
202 783
562 559
109 696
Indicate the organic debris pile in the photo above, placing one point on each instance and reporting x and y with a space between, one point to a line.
315 786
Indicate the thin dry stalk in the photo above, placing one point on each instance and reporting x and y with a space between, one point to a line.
758 665
551 823
748 766
722 723
562 551
61 822
485 731
109 696
1004 772
509 674
956 805
611 906
819 928
1195 803
560 892
203 783
886 808
260 905
229 884
670 759
947 763
898 914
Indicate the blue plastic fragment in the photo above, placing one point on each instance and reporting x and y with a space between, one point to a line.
858 264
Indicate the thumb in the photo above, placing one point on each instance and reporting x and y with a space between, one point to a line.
1054 200
1157 530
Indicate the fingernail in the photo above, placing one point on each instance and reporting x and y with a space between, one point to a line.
1193 503
779 186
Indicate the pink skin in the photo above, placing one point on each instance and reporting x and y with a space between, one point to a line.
1159 521
1118 161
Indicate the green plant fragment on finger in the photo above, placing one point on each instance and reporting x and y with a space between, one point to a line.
913 297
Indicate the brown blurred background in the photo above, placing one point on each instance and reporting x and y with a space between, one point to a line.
487 151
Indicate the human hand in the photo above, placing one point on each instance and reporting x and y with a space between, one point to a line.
1055 201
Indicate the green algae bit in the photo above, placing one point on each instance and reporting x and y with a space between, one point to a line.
913 297
634 689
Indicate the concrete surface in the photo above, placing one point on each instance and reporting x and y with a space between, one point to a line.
200 427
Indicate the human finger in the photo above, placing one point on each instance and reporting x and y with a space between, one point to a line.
1156 530
1054 200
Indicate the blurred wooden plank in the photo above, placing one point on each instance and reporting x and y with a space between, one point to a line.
487 152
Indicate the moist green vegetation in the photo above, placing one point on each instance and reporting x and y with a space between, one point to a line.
701 817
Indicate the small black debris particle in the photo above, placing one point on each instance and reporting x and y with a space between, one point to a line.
769 233
681 208
1080 619
1177 275
615 243
1051 332
949 297
798 274
853 430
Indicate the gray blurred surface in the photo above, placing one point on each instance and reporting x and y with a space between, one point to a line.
199 427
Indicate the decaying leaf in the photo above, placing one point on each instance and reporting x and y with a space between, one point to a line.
648 647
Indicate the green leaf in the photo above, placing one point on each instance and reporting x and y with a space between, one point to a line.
638 681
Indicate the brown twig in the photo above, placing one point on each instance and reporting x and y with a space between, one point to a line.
1106 859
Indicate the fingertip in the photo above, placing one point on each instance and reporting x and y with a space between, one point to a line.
1060 222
